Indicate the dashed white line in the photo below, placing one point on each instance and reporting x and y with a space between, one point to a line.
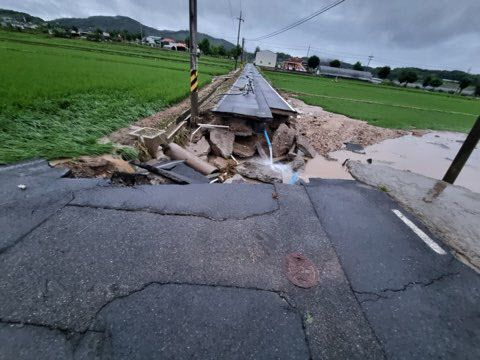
426 239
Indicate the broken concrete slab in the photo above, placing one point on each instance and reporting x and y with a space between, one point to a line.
201 148
298 162
219 162
235 179
171 200
282 140
448 211
85 258
258 171
245 147
222 142
304 145
240 127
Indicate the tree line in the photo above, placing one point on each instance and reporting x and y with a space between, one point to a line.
407 76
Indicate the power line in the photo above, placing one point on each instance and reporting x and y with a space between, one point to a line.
231 12
299 22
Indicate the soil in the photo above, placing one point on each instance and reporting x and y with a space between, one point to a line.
162 119
327 131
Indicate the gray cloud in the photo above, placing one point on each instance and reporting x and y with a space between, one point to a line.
427 33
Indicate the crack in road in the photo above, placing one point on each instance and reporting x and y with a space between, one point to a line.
283 295
384 294
65 331
22 237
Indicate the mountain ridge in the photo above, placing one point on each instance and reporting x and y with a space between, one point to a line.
119 23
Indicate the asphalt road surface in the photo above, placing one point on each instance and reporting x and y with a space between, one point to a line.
92 271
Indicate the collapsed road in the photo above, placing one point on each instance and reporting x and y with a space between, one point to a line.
94 271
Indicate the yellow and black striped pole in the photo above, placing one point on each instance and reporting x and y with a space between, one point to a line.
193 80
193 64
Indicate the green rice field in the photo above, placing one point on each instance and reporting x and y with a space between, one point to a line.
381 105
59 96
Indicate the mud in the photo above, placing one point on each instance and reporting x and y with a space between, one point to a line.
429 155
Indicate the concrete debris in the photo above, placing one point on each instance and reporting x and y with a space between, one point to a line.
262 172
236 179
245 147
201 148
22 187
282 140
304 145
240 127
219 162
298 163
222 142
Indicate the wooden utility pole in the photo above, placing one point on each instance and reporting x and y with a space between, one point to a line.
238 38
193 64
243 46
463 154
370 59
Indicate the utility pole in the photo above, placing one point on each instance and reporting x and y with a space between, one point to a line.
193 64
308 51
141 32
238 38
463 154
243 46
370 59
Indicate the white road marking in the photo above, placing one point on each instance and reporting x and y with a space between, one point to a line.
426 239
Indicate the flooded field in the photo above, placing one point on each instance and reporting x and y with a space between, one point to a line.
429 155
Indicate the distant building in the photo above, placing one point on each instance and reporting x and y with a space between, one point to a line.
344 73
266 58
153 40
294 64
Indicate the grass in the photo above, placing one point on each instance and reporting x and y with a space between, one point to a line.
58 97
380 105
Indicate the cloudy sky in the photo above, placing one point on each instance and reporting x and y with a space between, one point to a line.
441 34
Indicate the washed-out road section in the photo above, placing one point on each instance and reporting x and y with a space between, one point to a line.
92 271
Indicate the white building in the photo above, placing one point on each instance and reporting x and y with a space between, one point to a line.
266 58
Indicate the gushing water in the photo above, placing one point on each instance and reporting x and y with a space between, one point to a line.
269 146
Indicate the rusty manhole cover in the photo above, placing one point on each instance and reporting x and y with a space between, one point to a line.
300 270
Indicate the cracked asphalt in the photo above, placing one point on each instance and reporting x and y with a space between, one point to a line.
92 271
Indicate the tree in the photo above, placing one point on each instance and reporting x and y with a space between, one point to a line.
477 90
236 51
436 82
222 51
214 50
358 66
384 72
335 63
464 83
407 76
204 46
257 49
313 62
427 81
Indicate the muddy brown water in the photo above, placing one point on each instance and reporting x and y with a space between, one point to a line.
429 155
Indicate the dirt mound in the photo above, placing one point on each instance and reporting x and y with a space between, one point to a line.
328 131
